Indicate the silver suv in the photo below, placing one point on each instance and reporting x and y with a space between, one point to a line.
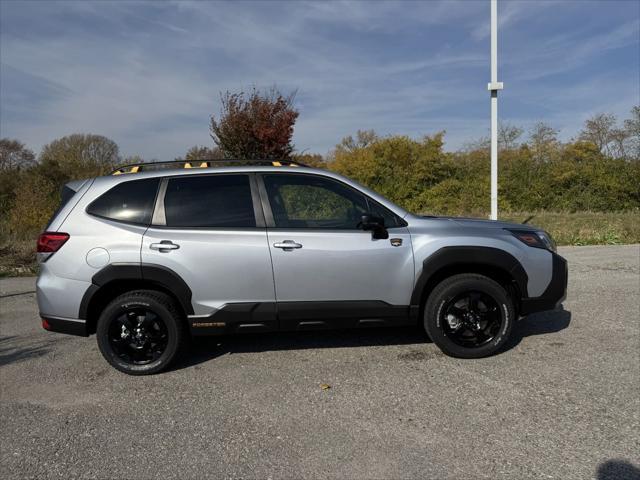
156 253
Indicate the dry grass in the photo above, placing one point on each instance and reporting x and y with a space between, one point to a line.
17 257
585 228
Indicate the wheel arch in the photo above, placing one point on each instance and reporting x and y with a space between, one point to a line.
494 263
116 279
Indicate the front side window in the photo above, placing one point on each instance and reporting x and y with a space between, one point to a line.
130 202
209 201
307 201
390 219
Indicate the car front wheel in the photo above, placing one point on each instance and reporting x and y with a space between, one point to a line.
469 316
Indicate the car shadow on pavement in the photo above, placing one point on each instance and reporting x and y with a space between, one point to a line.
618 470
204 349
541 323
17 348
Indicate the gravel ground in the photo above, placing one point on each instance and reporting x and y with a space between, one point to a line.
561 402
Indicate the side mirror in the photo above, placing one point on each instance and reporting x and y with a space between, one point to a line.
375 225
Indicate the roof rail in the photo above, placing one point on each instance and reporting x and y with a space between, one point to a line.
200 163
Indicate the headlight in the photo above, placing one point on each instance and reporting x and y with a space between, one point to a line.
548 241
537 239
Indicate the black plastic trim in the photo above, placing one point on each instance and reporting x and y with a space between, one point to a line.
117 271
70 327
294 316
157 274
258 209
264 201
555 292
465 255
236 318
83 313
341 314
168 278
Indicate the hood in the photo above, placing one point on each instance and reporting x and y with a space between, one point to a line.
482 223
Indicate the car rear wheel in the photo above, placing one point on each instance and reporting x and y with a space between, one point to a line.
469 316
140 332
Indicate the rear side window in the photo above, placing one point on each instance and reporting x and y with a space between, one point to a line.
209 201
66 194
130 202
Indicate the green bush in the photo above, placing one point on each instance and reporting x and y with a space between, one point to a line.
421 177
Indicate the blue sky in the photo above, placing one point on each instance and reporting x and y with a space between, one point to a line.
148 74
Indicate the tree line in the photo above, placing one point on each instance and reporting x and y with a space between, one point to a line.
599 170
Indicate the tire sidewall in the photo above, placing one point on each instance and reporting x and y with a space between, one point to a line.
120 306
445 292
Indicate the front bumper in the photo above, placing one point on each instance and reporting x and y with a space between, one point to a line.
555 293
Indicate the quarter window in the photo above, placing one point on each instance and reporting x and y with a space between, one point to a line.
209 201
130 202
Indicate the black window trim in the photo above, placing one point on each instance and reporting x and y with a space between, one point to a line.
159 220
268 214
138 224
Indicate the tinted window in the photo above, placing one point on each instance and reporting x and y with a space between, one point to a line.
390 219
130 202
306 201
66 194
211 201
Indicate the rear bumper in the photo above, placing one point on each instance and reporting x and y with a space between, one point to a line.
58 297
555 293
70 326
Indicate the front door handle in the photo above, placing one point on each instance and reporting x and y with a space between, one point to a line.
287 245
164 246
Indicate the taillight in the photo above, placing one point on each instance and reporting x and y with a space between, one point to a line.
50 242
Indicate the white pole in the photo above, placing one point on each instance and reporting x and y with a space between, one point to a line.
493 87
494 154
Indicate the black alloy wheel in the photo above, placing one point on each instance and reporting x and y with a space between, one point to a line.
141 332
471 319
469 315
138 336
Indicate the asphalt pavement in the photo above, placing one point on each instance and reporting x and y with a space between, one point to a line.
563 400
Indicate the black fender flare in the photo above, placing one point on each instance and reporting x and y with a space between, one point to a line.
150 273
469 255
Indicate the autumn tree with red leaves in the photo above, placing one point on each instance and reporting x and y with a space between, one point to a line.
255 126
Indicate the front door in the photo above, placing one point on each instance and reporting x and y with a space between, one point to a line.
207 230
328 272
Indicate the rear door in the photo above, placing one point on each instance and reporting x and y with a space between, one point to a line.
209 229
329 272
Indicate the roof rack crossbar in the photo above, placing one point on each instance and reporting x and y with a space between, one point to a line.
201 163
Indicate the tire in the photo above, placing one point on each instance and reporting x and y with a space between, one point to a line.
141 332
469 316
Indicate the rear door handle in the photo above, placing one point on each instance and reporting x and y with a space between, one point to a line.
287 245
164 246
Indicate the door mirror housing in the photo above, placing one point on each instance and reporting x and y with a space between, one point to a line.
375 225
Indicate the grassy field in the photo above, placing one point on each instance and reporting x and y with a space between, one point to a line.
584 228
17 257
